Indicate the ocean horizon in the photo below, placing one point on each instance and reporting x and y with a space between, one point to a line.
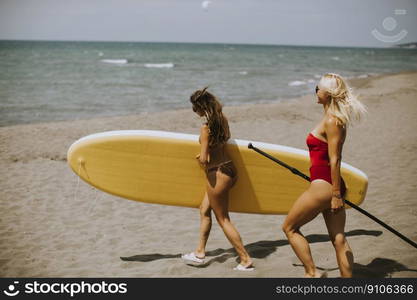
44 81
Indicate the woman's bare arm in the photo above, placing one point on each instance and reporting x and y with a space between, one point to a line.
334 135
204 150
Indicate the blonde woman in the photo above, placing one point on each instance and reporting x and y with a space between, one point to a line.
221 176
327 189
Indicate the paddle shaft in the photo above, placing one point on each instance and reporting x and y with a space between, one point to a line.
297 172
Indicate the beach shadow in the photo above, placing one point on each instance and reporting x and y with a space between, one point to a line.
220 256
377 268
149 257
260 249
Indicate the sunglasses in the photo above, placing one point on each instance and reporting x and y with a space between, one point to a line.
317 88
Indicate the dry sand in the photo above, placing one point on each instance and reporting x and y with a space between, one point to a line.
54 226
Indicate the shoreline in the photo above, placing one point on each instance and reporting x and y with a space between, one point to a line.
56 227
356 82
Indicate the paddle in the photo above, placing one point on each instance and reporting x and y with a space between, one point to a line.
297 172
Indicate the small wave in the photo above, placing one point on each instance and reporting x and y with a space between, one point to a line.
311 81
115 61
336 58
363 76
296 83
166 65
243 73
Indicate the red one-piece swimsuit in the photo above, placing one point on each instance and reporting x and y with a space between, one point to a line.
320 162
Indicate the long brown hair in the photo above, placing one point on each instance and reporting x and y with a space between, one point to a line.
206 102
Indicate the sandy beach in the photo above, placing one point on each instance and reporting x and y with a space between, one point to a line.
54 225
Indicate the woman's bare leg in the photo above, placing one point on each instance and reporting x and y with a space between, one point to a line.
314 200
335 223
218 195
205 227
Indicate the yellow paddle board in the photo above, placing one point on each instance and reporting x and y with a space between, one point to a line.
160 167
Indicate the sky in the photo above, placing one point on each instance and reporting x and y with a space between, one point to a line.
344 23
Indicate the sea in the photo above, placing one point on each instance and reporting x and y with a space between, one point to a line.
43 81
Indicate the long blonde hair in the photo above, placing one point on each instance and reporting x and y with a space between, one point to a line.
343 104
206 102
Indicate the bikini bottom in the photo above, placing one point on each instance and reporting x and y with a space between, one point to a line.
226 168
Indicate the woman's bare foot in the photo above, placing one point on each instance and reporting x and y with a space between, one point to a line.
316 274
247 263
248 266
200 254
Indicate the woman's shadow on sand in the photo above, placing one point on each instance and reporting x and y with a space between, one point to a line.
378 268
